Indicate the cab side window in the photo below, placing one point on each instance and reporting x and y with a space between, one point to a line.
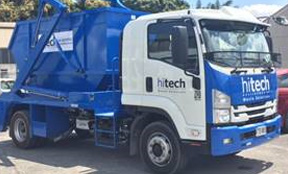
160 44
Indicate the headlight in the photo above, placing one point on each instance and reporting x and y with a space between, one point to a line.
275 108
221 100
221 107
221 115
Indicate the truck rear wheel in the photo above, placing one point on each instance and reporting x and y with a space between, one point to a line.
160 149
20 131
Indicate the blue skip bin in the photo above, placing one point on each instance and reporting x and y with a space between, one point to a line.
81 54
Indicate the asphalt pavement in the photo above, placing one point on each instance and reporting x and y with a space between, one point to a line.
75 156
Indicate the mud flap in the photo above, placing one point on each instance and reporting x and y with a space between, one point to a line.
3 115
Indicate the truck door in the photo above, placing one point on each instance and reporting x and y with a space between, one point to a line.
171 74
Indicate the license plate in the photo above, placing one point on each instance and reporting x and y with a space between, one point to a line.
261 131
82 124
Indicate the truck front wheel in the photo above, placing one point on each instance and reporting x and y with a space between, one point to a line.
20 130
160 148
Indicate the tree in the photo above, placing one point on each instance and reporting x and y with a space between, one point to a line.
14 10
199 4
228 3
7 11
218 5
90 4
155 6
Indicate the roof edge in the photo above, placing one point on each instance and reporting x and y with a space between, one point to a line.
280 10
7 24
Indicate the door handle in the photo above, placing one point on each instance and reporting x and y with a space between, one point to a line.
149 84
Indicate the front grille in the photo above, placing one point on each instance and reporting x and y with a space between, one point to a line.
253 120
254 111
251 113
256 120
255 104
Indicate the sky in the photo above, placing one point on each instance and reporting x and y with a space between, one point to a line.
256 7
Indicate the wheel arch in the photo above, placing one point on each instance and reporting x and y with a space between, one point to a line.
146 116
14 108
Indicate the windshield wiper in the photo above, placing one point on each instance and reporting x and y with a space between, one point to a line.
268 70
235 70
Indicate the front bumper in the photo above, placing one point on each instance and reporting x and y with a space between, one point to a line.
242 137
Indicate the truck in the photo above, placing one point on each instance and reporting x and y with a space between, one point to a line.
282 97
166 85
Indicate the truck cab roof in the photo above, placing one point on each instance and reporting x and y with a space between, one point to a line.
225 13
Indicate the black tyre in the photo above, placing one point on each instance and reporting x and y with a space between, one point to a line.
83 134
20 131
160 149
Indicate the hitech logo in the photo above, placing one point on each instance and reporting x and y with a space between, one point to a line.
165 83
250 85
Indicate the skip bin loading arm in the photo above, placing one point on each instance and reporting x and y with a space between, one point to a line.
38 46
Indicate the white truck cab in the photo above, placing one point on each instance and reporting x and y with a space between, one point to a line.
209 71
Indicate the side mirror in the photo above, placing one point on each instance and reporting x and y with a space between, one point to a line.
196 83
270 43
180 45
281 20
277 60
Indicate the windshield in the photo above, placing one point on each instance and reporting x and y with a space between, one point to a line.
233 36
7 85
236 43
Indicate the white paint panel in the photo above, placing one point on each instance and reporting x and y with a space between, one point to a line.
65 40
186 105
187 112
132 60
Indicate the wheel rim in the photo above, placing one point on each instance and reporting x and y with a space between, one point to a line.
20 130
159 149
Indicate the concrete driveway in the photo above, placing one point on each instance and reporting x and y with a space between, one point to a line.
79 156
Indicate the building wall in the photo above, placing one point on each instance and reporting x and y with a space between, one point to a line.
7 70
6 31
280 36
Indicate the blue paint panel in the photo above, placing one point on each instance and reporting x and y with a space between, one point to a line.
96 42
232 85
57 121
235 133
241 88
4 106
3 116
39 129
48 122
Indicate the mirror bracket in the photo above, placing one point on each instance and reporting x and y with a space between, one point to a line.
196 81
